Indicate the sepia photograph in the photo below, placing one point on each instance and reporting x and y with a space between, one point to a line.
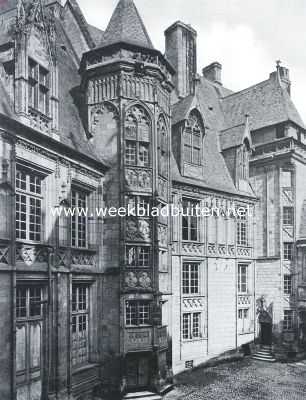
152 200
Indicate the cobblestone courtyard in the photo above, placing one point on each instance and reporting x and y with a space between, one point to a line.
243 380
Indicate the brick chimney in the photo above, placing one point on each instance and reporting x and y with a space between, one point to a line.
181 51
213 72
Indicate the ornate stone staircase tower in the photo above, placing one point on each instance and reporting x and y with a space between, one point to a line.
128 84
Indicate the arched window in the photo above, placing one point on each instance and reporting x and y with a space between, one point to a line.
137 138
193 136
244 160
163 146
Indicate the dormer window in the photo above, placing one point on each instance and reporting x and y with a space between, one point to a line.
192 139
39 87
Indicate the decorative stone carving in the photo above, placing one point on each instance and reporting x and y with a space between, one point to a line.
244 300
97 112
144 280
138 179
141 279
243 251
193 303
193 248
130 279
212 249
31 254
4 254
83 257
163 235
162 187
138 229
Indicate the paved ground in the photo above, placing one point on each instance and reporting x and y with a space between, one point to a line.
243 380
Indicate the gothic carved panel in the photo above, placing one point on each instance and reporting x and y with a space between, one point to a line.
31 254
196 249
192 304
163 235
138 179
140 280
162 188
138 229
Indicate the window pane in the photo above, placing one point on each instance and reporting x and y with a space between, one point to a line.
143 256
143 154
130 153
21 303
35 301
130 313
186 326
196 325
288 216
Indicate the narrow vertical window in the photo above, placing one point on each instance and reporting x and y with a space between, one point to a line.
28 206
242 278
190 220
79 219
288 251
242 231
80 325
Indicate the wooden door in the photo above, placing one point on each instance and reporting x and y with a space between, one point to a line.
138 376
29 330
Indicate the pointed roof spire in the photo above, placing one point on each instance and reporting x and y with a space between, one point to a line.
126 25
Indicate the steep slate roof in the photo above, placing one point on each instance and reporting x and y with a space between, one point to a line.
232 137
127 26
267 103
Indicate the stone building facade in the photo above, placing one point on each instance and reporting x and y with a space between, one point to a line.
95 304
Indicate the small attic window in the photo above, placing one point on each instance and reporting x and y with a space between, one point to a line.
280 131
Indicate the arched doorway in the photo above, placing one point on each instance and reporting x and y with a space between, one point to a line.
265 322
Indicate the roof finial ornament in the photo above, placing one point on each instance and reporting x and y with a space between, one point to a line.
278 64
